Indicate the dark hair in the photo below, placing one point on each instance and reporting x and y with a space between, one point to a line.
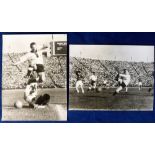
46 97
33 43
78 71
43 99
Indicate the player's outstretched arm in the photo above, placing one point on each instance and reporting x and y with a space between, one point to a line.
122 75
22 59
16 63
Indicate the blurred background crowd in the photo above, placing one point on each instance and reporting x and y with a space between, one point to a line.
56 77
12 78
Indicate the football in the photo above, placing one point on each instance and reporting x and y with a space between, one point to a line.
99 89
18 104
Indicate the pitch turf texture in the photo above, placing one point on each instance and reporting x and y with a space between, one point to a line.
56 111
104 100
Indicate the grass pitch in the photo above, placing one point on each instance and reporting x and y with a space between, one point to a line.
104 100
56 111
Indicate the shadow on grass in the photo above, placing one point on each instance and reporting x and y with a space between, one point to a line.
12 107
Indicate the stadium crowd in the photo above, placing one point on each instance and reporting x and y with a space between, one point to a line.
13 78
107 70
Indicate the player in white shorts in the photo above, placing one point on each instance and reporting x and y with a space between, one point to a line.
93 80
39 60
140 84
79 82
124 80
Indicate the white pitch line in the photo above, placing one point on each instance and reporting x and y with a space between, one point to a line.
61 112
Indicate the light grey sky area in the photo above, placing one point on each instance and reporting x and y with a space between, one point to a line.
114 52
21 43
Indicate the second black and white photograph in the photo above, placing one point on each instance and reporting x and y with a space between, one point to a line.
111 77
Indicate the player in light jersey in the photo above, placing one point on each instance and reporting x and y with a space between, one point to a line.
35 59
124 80
93 79
79 82
31 94
140 84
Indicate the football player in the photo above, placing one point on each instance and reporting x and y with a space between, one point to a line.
93 80
31 93
79 82
124 80
35 59
140 84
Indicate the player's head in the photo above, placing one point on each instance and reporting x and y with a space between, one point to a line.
93 73
126 71
78 72
33 46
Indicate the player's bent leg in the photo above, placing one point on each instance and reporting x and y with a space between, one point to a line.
126 89
89 88
77 86
118 90
42 77
125 85
82 89
94 86
29 72
30 100
150 89
81 85
120 81
77 89
42 101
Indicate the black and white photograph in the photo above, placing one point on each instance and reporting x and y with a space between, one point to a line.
34 71
111 77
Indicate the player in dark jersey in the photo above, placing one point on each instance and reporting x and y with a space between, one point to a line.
79 82
31 93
